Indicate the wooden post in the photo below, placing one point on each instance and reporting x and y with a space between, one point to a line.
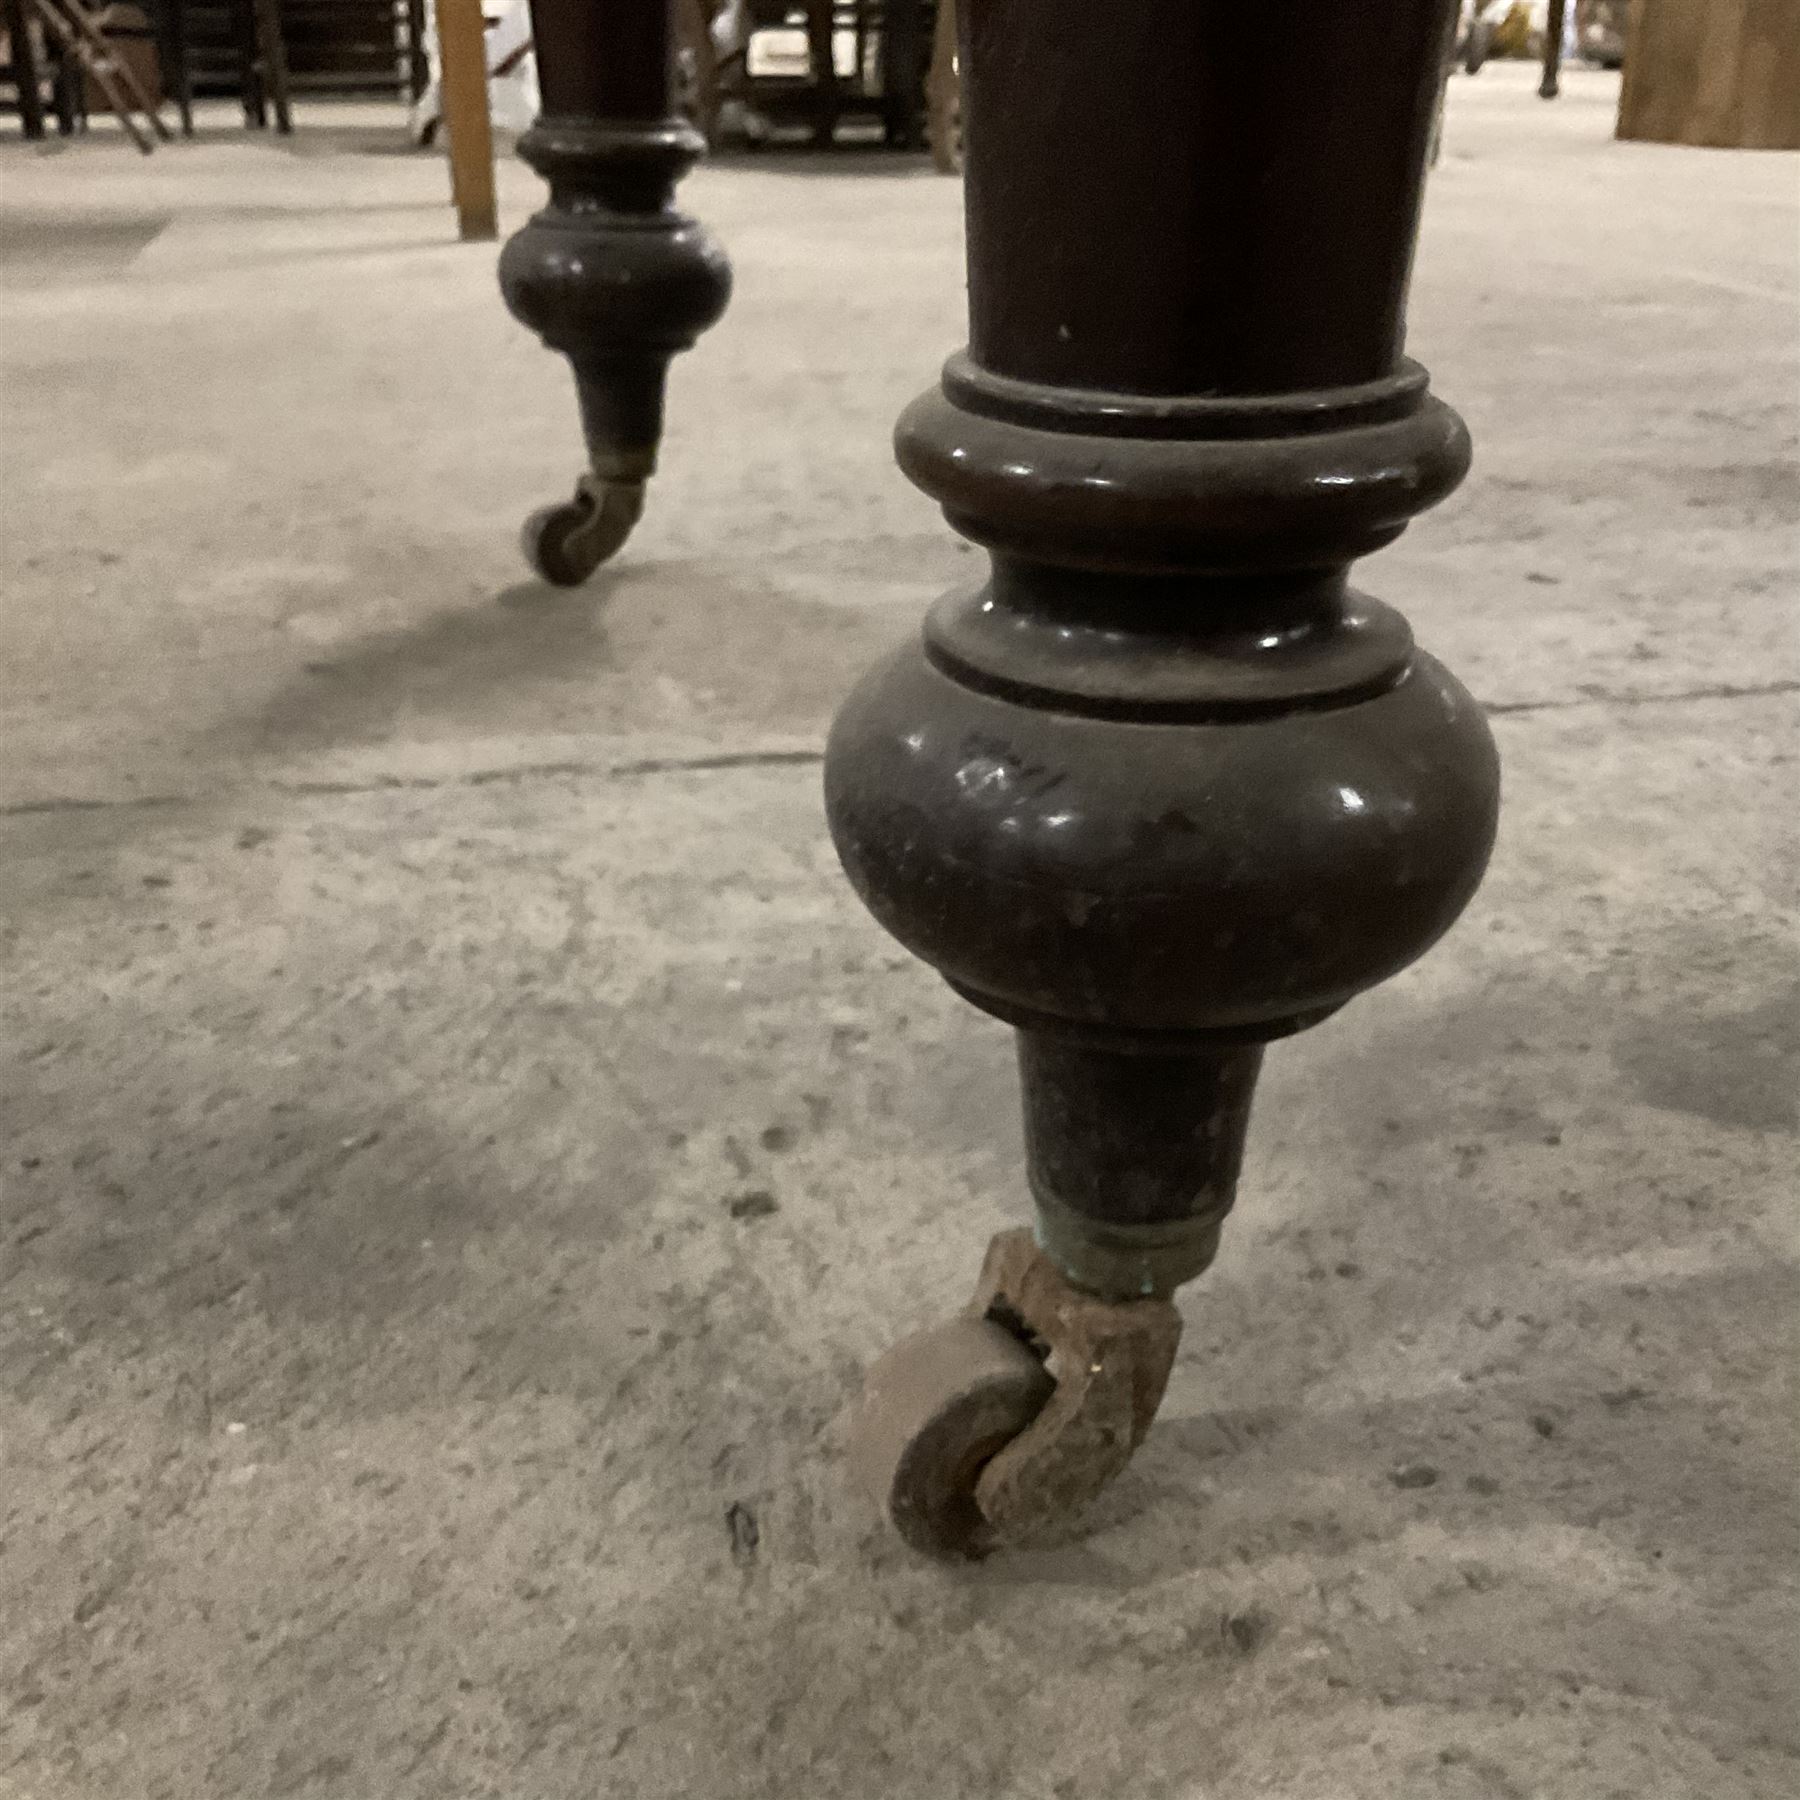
1551 84
1724 73
28 78
462 51
903 51
245 33
172 43
1165 787
272 56
821 57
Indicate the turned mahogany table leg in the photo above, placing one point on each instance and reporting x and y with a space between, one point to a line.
1164 787
609 273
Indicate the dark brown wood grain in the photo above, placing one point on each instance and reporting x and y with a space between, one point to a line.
1179 196
605 59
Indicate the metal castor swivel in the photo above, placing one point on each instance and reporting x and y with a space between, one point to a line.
567 542
994 1425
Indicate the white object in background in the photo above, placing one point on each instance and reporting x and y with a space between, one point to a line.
512 73
781 53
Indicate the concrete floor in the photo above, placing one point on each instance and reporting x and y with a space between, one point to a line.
406 968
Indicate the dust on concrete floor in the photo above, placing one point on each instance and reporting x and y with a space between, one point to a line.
462 1140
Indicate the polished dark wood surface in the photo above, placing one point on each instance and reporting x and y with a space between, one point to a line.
1194 197
606 59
